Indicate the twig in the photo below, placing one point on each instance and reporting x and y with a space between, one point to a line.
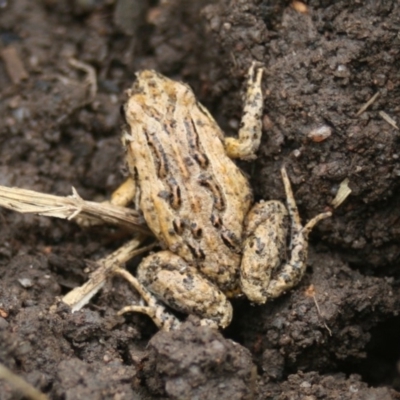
388 119
91 78
86 213
13 63
310 292
319 313
342 194
91 213
80 296
367 104
21 384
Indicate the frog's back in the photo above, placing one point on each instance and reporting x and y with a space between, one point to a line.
193 197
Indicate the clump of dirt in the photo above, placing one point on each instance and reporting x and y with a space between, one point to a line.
335 335
335 386
198 362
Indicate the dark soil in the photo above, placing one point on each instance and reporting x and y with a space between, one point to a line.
335 336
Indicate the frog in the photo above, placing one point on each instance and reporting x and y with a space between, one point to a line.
216 243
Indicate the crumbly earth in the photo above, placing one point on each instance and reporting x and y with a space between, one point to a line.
336 334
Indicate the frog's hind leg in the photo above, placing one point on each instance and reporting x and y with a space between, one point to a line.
264 247
171 280
291 273
156 311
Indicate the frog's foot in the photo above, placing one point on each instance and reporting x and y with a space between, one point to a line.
265 246
171 280
292 272
156 311
249 137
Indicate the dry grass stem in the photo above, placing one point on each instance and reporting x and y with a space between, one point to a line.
367 104
70 207
342 194
388 119
91 79
25 388
80 296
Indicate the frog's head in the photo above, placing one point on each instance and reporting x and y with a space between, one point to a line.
155 91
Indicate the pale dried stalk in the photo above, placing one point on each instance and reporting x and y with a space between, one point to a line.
87 213
70 207
388 119
21 384
367 104
91 78
342 194
80 296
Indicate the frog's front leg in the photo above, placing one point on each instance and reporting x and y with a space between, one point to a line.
121 197
171 280
124 194
265 243
249 137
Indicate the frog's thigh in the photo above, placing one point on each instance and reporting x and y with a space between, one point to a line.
180 286
124 194
266 229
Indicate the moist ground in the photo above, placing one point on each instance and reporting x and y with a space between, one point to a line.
336 334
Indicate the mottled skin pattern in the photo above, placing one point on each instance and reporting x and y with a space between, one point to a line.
197 203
